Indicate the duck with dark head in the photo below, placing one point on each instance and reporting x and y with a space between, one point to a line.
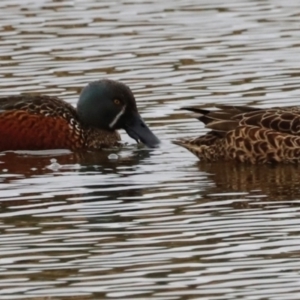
39 122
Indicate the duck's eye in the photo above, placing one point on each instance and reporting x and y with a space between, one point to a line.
117 102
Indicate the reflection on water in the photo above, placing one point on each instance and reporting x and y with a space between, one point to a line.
150 224
272 182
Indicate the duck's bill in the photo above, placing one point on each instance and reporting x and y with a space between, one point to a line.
139 131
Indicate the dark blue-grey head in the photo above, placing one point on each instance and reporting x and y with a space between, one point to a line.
110 105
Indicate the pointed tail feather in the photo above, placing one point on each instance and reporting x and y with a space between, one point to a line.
217 120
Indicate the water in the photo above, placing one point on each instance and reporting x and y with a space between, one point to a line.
150 224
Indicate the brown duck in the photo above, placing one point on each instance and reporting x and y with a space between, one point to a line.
247 134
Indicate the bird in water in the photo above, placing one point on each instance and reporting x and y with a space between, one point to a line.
39 122
247 134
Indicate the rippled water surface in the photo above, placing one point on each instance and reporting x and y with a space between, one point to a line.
151 224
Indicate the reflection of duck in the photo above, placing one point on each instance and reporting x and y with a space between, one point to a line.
246 134
29 122
276 182
93 173
32 163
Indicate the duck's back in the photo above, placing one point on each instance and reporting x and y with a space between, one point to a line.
38 122
247 134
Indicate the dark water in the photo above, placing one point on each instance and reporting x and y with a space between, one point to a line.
151 224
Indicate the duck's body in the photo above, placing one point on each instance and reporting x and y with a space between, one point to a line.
43 122
247 134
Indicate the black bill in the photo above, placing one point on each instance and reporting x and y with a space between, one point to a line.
138 130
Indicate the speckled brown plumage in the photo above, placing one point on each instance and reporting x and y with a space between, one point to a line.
247 134
44 122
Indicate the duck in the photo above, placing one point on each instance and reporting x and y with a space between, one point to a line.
246 134
42 122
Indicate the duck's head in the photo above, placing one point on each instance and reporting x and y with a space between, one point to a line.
110 105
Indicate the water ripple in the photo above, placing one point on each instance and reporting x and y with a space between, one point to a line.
150 224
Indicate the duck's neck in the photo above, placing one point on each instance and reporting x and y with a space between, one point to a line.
99 138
